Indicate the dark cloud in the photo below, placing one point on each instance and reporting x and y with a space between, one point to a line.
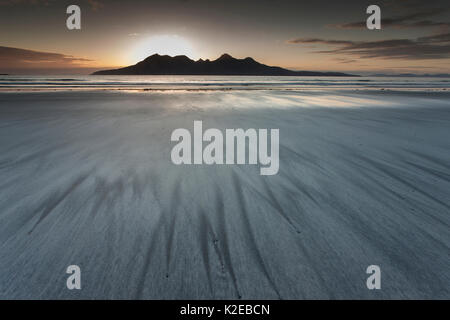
345 60
22 58
439 38
430 47
412 20
14 2
315 40
94 4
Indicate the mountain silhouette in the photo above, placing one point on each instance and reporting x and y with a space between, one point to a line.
224 65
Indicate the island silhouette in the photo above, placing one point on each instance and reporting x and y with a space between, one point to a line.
225 65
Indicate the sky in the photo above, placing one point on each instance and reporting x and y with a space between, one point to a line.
299 35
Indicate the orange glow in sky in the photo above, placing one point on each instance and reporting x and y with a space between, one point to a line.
171 45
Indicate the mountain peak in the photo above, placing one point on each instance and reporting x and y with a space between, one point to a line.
153 56
164 58
225 56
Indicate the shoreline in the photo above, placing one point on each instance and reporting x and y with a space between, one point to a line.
222 89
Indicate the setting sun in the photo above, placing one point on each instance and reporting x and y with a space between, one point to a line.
171 45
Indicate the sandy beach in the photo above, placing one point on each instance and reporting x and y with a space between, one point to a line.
86 179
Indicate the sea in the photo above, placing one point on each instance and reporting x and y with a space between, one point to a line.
200 83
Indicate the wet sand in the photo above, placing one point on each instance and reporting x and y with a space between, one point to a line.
86 179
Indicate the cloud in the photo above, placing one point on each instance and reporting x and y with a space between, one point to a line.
345 60
28 59
94 4
439 38
316 40
412 20
14 2
430 47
